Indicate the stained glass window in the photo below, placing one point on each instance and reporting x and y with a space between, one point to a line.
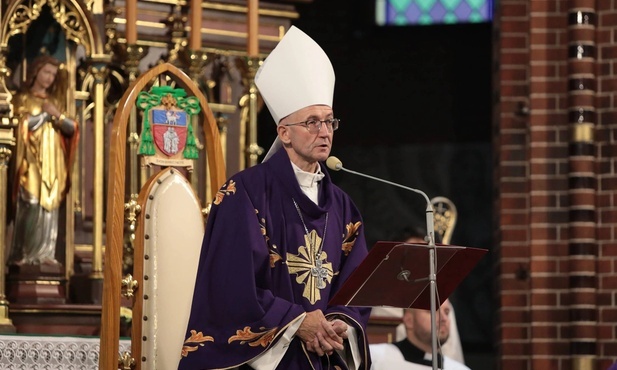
409 12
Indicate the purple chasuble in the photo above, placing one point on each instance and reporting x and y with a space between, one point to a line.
258 270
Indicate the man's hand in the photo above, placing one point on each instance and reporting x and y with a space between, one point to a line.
340 327
320 335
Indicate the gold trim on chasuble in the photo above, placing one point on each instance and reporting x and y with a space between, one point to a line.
226 189
274 255
245 336
310 267
352 232
197 340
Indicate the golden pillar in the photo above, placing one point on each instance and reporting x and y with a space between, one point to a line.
6 325
253 150
98 69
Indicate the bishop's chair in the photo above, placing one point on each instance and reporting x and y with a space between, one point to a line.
167 214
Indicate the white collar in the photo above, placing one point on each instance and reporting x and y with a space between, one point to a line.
307 179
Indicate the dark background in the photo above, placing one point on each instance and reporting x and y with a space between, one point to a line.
415 106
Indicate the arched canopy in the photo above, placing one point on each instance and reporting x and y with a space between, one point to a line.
72 15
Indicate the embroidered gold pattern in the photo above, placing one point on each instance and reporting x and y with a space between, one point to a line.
226 189
350 239
254 339
274 255
274 258
307 267
196 340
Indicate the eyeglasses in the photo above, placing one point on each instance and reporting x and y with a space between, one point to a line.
314 125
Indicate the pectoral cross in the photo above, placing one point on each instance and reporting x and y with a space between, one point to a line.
320 273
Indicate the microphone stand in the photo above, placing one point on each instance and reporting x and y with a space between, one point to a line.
430 230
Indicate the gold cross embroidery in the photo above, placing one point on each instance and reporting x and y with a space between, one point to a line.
311 270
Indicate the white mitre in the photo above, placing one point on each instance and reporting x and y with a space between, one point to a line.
295 75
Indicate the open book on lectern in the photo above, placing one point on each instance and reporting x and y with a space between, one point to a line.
397 275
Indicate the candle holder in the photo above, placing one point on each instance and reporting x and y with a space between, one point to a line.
175 23
195 61
253 150
133 55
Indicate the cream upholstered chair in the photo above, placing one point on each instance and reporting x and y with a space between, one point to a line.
168 236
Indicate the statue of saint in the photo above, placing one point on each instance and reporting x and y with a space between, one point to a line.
46 141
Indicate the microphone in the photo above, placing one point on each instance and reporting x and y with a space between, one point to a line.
335 164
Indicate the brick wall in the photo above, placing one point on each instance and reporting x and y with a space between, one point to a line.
555 116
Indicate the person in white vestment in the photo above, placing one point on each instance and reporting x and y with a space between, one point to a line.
415 351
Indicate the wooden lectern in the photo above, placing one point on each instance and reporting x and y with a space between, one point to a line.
397 275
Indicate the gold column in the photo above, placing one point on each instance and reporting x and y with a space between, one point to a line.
134 54
253 151
99 70
197 61
6 325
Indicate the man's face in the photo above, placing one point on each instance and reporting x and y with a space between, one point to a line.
421 322
305 148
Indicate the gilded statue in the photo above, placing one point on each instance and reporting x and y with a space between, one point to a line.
46 142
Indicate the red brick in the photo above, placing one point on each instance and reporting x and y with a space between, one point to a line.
516 203
605 266
545 299
515 234
514 218
514 41
582 197
514 186
542 183
513 332
515 363
587 232
548 348
543 331
515 74
514 57
544 167
514 89
544 200
608 249
514 316
585 34
514 285
548 53
544 6
513 9
608 282
545 363
609 348
546 69
543 282
582 298
514 300
515 26
552 21
607 19
542 101
514 348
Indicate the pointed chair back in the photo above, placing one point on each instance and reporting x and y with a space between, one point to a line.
168 237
